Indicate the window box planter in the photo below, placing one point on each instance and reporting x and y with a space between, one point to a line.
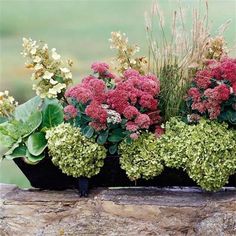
45 175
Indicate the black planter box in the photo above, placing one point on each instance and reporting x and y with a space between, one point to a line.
45 175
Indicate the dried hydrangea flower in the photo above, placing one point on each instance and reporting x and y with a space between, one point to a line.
49 72
125 58
216 48
7 104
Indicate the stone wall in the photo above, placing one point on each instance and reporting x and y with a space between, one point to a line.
141 211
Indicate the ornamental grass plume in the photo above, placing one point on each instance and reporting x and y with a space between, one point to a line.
50 75
176 58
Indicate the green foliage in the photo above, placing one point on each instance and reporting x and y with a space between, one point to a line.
2 119
73 153
111 136
140 159
36 143
207 151
32 159
228 114
13 130
173 89
88 131
19 151
52 113
113 148
172 145
23 111
24 135
102 137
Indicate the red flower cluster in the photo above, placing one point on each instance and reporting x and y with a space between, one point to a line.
133 98
213 86
70 112
92 92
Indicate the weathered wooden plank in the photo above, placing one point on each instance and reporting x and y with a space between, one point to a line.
140 211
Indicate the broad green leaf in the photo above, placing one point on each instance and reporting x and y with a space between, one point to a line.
117 131
59 79
2 119
102 137
128 140
36 143
52 115
12 129
31 159
115 138
13 147
24 111
88 131
231 115
6 141
18 152
32 123
27 161
113 149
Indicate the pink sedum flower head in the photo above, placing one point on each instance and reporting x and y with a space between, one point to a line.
104 103
97 126
234 88
214 86
195 94
70 112
143 121
203 79
97 112
159 131
130 112
131 126
134 136
131 73
100 67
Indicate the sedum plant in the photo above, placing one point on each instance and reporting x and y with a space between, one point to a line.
139 159
207 151
110 111
73 153
213 92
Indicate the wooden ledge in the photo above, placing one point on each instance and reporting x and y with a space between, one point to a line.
117 211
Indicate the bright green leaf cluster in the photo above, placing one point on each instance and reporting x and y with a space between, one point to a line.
140 159
207 151
73 153
24 133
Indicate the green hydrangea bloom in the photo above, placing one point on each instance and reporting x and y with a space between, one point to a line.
140 159
207 151
74 154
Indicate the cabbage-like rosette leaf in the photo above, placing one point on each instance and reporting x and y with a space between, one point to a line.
36 143
24 111
52 113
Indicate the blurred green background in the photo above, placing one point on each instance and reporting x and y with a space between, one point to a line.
80 30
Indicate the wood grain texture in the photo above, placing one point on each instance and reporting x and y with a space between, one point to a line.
140 211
